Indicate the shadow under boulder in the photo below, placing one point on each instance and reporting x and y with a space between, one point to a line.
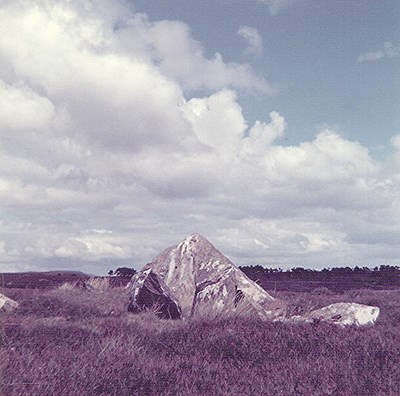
149 292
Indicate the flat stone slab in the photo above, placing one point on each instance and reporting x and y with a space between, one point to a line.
7 304
345 314
341 314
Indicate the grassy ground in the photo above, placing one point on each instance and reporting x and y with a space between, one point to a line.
75 342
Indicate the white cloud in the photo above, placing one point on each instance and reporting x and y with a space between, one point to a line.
396 141
388 51
217 120
93 248
109 121
22 108
182 58
262 135
276 6
253 38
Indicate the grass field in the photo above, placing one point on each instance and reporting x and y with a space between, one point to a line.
74 342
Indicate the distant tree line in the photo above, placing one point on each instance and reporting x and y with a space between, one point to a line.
383 271
124 272
298 279
297 272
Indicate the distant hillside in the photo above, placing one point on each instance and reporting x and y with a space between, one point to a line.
40 280
51 279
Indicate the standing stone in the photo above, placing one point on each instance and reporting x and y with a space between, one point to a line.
203 281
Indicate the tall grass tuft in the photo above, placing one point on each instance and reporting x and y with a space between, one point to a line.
99 284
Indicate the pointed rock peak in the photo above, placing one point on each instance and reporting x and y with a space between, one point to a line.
193 240
198 243
195 237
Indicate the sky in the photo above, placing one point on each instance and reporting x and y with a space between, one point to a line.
271 127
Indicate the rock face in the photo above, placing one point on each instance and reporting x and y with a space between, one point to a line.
201 280
150 292
345 314
6 304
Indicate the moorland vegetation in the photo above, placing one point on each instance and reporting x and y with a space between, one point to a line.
68 341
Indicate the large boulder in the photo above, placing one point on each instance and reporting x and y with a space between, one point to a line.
149 292
201 280
7 304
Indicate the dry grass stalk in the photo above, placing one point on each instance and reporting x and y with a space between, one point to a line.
100 284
